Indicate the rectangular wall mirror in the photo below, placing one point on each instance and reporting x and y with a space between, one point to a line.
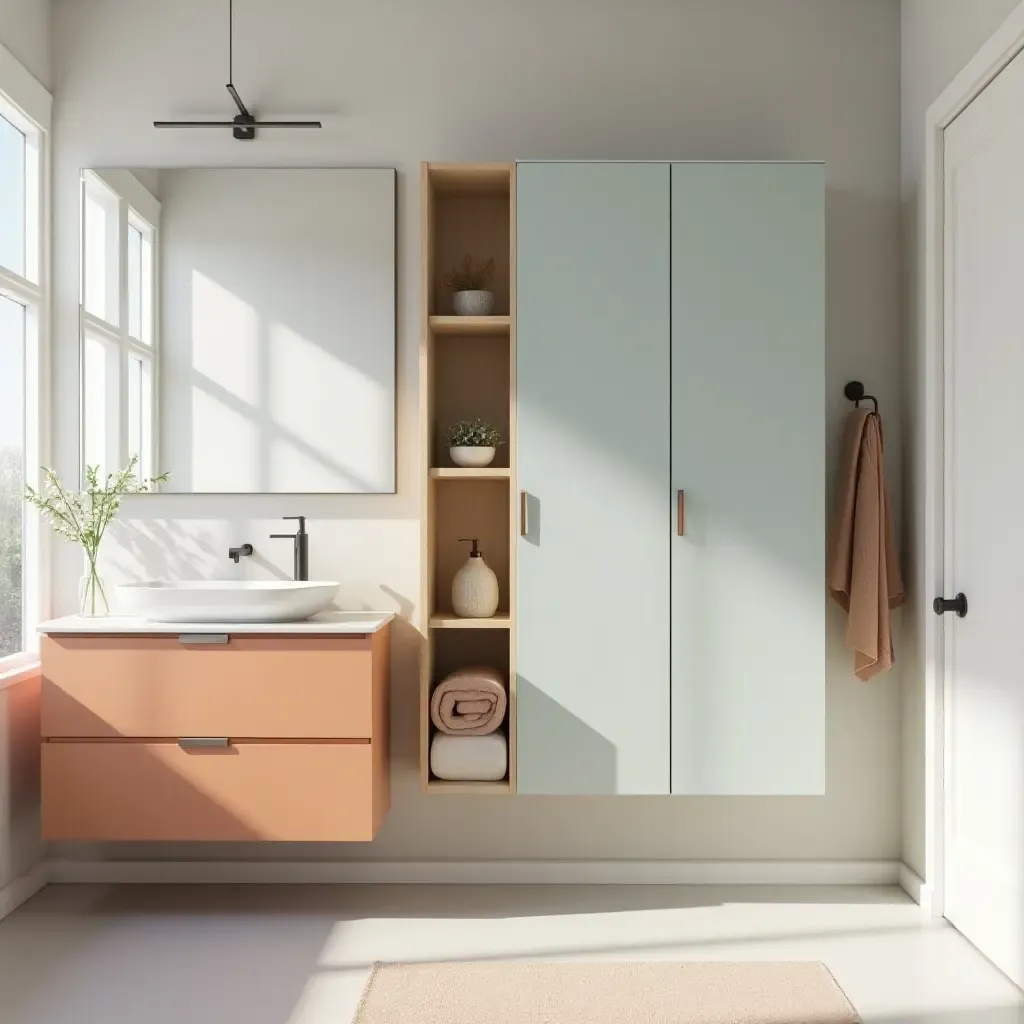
238 327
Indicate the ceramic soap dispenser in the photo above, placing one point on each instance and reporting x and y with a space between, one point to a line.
475 587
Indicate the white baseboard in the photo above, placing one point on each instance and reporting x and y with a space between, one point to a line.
916 887
22 889
601 872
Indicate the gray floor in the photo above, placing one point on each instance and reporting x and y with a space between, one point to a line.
300 954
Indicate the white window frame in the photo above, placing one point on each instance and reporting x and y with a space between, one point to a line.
136 207
26 104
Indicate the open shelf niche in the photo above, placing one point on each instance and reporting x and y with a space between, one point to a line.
467 371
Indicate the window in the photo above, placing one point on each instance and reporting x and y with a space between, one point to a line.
118 313
24 117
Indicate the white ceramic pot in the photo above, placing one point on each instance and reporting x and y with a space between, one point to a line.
476 303
472 457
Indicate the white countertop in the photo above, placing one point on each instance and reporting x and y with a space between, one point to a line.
324 624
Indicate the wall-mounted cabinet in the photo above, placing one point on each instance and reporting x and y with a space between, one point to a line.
656 521
670 601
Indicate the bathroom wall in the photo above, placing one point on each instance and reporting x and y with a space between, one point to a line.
939 37
25 31
399 81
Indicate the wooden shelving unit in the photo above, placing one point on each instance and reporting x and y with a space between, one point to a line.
467 370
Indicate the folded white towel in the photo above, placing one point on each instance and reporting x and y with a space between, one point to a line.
469 758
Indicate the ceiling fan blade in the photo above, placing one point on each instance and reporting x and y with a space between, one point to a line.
194 124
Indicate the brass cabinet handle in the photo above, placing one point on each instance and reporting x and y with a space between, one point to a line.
680 513
524 516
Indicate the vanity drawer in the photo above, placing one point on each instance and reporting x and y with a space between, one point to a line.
252 687
281 792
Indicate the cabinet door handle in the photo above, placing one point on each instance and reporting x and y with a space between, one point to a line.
203 638
680 513
203 742
524 514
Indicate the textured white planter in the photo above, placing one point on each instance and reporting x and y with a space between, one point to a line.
472 457
473 303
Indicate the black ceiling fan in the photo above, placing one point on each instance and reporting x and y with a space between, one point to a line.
244 124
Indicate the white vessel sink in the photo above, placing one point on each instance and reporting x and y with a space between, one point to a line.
225 600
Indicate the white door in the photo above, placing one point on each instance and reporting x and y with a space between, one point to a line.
984 521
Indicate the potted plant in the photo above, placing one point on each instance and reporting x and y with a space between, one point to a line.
83 517
472 443
468 282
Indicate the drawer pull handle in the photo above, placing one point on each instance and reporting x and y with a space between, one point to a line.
203 742
681 514
524 514
203 638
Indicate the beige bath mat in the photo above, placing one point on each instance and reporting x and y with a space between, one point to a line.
604 993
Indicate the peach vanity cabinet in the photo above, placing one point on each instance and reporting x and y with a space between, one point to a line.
261 733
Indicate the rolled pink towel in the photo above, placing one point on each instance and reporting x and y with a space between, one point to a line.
470 702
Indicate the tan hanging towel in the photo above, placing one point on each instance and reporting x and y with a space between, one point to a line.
863 569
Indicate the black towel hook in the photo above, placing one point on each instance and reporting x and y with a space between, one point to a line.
854 391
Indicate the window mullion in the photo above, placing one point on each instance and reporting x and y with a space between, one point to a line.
124 340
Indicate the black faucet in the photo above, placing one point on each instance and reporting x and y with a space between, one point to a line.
236 553
301 540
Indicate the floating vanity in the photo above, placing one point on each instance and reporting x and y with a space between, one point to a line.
207 731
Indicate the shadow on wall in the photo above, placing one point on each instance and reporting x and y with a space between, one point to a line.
565 751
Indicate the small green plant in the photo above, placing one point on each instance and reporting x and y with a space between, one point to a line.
473 434
469 276
83 516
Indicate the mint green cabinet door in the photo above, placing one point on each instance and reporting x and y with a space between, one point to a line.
593 338
748 450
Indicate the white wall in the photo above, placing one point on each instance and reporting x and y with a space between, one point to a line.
397 82
25 31
938 38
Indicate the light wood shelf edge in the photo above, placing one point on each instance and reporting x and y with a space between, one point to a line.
426 497
453 473
513 515
462 325
447 620
478 788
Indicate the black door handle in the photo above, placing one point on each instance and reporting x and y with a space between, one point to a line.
957 604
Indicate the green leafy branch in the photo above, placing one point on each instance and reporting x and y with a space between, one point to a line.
83 516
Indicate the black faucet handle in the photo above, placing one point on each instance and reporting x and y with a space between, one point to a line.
301 520
235 553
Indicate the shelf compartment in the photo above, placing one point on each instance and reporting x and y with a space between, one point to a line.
470 508
460 473
471 179
475 224
470 381
449 620
453 650
481 326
